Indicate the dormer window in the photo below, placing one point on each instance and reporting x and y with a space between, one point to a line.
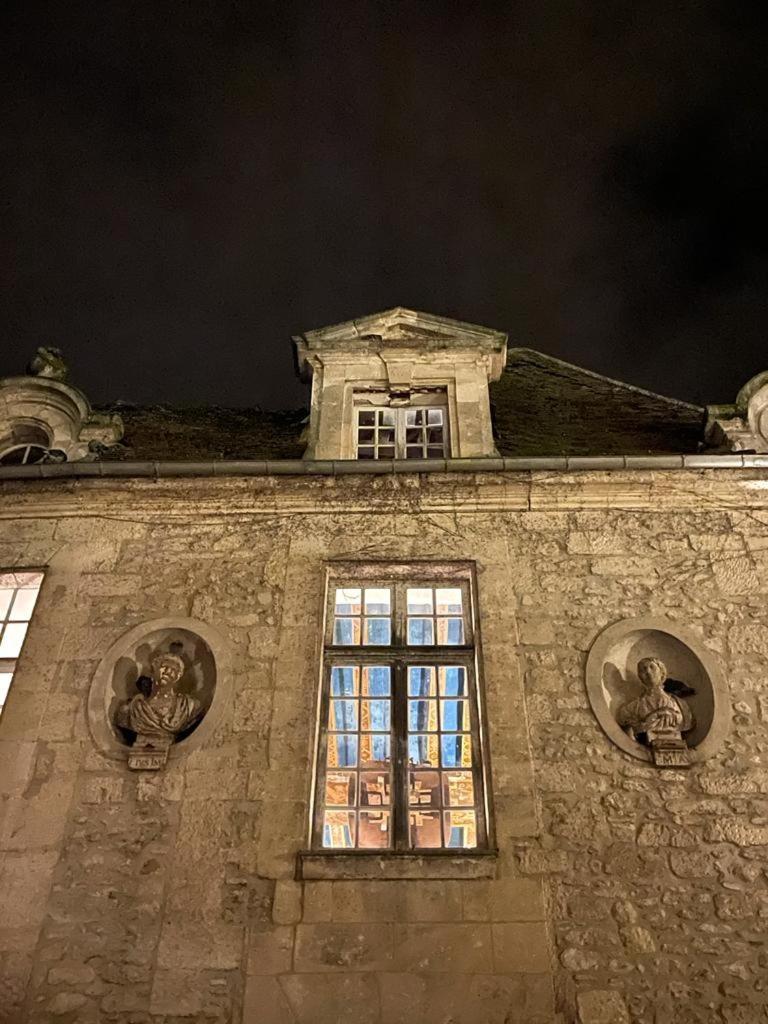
401 385
407 426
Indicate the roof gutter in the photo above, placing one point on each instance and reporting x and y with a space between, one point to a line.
348 467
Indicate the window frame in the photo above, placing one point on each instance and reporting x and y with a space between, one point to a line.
373 399
8 664
399 655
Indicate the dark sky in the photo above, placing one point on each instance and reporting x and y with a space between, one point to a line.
187 184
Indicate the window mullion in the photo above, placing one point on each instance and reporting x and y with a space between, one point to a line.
400 758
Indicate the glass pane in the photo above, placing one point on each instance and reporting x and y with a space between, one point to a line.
343 715
413 435
12 639
435 453
346 631
460 829
434 416
365 436
374 715
374 789
377 631
419 600
458 789
348 600
386 435
344 681
421 681
422 716
425 829
374 750
454 715
366 417
340 789
5 683
435 435
450 631
423 750
342 751
339 829
413 452
453 681
387 417
425 789
421 631
366 453
374 830
386 453
378 601
5 602
448 600
376 682
456 751
23 605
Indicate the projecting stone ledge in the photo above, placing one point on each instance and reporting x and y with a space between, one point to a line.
331 866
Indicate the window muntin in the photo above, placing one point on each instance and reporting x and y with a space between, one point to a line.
18 595
399 760
401 432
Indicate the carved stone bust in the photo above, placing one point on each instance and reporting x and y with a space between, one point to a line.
658 718
158 713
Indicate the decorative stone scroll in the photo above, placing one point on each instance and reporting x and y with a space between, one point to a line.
657 692
158 691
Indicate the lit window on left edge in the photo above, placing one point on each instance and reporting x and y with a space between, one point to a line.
18 595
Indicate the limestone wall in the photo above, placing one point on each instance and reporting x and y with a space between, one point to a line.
145 898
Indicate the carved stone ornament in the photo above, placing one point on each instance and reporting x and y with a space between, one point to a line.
657 692
157 714
657 718
159 692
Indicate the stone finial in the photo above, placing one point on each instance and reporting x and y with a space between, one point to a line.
657 718
158 713
48 362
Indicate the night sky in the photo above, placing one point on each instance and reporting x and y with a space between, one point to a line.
185 185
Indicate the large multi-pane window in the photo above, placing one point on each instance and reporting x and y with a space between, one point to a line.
18 594
418 430
399 760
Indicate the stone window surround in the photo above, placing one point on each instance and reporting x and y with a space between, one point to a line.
341 865
101 728
56 409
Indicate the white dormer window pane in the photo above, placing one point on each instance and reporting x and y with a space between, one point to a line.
18 594
407 432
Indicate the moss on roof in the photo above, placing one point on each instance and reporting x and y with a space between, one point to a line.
542 406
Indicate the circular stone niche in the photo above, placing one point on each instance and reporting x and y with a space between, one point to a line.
203 653
612 681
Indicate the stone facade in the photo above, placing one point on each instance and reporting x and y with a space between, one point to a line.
622 892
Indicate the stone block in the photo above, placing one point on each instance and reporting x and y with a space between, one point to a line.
520 948
264 1002
508 899
270 950
177 993
343 947
733 830
602 1007
442 948
468 999
318 902
286 908
39 820
192 944
350 998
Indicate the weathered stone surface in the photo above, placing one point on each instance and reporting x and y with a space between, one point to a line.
138 901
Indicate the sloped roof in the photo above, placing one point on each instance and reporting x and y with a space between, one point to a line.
543 406
540 406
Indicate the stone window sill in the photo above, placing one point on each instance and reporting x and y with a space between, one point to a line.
362 864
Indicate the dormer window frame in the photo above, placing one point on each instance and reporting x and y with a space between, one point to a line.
392 436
